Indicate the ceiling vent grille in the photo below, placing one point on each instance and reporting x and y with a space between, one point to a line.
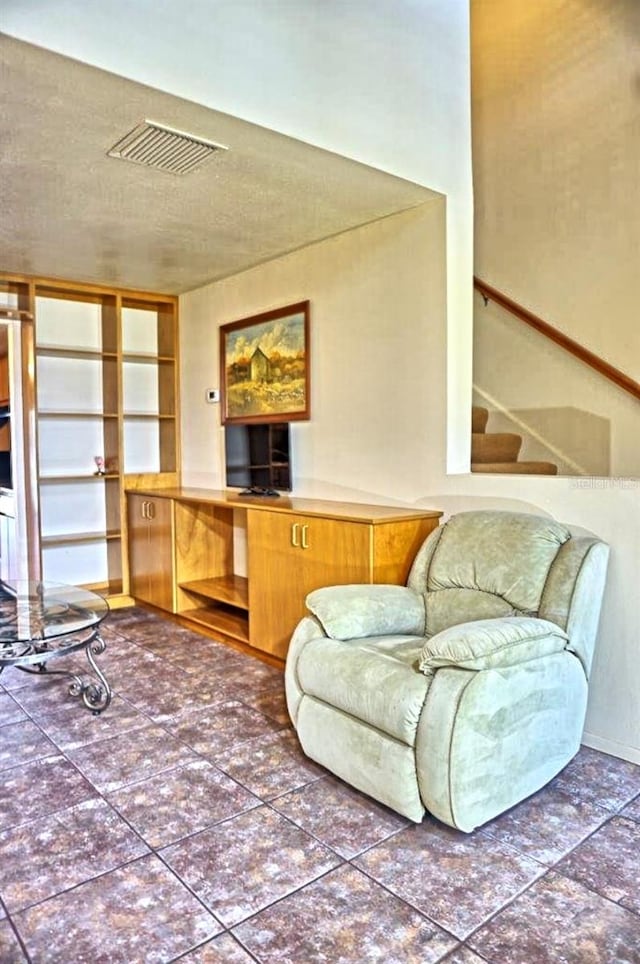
164 148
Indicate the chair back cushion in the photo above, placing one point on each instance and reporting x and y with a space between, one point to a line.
483 565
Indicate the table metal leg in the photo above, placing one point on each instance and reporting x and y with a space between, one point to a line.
95 696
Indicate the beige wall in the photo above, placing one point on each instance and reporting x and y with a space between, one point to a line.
556 145
378 297
557 177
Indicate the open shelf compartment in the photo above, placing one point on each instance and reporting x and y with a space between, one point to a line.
231 590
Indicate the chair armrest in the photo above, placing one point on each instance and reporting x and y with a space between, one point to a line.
492 643
357 611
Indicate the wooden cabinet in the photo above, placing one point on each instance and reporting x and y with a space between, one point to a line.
289 555
151 541
292 547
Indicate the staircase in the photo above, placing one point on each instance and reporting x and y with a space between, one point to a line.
497 452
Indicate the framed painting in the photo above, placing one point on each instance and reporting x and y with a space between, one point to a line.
264 366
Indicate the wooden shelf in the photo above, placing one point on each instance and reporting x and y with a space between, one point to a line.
232 590
144 357
60 413
112 589
227 622
59 351
69 538
78 478
13 313
144 415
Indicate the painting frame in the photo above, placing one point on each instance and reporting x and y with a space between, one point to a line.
265 367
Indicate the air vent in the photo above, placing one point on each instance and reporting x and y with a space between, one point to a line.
164 148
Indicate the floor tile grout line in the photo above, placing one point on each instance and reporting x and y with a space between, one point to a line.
41 722
191 890
332 870
198 754
279 900
405 901
80 883
596 893
152 851
300 826
204 944
553 868
516 897
16 932
504 907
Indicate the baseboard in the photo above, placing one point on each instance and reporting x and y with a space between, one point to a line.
621 750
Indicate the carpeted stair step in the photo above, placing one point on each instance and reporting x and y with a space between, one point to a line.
516 468
495 446
479 418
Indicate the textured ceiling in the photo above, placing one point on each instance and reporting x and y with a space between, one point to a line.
70 211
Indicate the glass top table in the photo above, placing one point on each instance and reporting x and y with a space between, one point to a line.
41 621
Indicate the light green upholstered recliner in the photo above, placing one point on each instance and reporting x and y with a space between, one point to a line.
465 691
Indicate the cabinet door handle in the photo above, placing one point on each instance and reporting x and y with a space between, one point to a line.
143 510
294 534
305 540
151 509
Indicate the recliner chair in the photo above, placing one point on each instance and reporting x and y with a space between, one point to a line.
465 691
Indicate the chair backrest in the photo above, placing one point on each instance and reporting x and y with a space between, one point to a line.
487 564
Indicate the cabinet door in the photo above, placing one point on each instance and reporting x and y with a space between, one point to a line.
151 550
139 560
160 566
289 556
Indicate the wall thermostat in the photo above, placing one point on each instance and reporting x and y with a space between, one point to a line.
213 395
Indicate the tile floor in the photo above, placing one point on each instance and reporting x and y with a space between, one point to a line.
185 824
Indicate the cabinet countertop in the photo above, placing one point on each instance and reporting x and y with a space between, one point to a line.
327 508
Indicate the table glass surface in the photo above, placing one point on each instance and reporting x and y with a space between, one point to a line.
31 611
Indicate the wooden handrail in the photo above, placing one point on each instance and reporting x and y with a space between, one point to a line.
575 348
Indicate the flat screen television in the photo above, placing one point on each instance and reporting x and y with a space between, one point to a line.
257 458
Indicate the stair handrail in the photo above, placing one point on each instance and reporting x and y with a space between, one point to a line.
554 334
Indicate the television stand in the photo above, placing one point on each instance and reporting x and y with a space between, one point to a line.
258 490
182 559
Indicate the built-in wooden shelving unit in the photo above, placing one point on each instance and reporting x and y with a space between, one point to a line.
105 385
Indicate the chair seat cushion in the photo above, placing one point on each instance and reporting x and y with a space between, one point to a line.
375 680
